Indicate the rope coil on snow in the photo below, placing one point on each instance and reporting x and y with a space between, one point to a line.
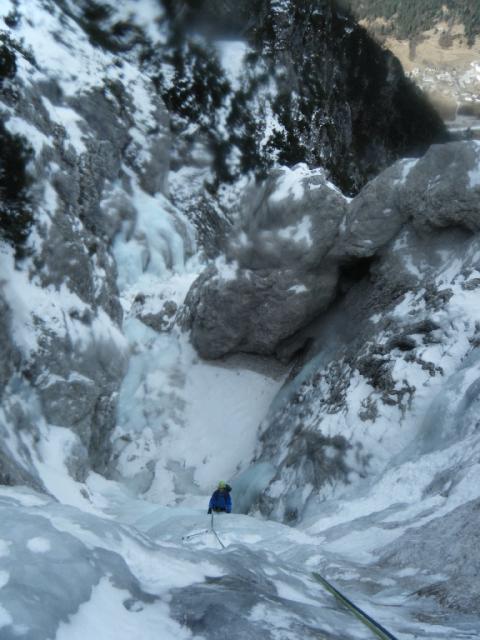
364 618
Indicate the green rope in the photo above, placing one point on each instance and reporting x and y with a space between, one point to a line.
364 618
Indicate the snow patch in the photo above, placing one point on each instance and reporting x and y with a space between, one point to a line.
299 233
290 183
110 614
19 126
68 119
39 545
407 166
298 288
232 54
227 271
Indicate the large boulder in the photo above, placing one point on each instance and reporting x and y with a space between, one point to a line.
276 278
255 310
298 236
440 190
373 216
290 220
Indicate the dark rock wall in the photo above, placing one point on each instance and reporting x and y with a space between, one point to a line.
339 99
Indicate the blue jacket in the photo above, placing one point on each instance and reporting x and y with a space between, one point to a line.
220 501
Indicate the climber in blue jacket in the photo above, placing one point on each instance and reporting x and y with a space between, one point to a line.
221 500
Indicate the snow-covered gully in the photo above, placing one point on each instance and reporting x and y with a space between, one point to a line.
216 263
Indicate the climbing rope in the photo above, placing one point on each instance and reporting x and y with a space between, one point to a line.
190 536
215 533
364 618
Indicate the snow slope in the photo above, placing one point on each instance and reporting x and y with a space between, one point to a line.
130 573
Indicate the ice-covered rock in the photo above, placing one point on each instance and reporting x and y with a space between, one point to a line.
99 141
65 573
160 317
382 363
445 548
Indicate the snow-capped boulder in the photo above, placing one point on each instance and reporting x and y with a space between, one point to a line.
437 191
276 279
297 232
288 221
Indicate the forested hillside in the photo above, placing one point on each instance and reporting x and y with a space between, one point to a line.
408 18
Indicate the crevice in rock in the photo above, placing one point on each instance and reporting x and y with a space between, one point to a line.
352 272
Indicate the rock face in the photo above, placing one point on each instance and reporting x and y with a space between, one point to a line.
459 561
85 149
388 326
298 232
11 471
323 434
